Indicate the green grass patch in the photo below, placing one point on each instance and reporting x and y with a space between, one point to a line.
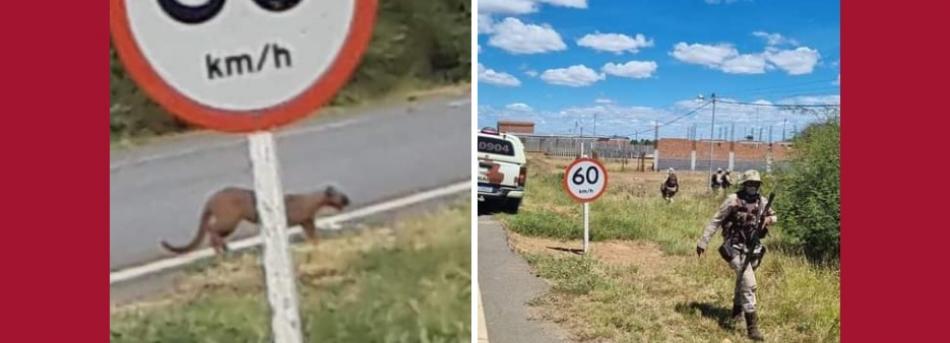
682 299
410 283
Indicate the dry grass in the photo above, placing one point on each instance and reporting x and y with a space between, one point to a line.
642 281
408 282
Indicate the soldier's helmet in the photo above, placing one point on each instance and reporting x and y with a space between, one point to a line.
670 171
719 170
750 175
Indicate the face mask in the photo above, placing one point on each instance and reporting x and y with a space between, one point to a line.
752 190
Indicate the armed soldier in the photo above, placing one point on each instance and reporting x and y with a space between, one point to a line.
669 187
726 180
743 223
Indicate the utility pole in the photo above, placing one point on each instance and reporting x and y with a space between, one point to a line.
712 130
770 134
784 123
760 134
732 132
656 146
595 124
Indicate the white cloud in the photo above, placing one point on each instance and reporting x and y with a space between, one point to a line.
725 57
703 54
507 6
632 69
567 3
615 42
485 24
517 7
744 64
773 39
492 77
603 101
800 61
516 37
812 100
520 107
573 76
716 2
838 81
531 73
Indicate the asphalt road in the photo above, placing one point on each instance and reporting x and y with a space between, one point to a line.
373 154
507 284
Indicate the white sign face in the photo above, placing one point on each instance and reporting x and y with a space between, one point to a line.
236 54
241 65
585 179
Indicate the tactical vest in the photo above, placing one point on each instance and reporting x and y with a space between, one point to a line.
742 219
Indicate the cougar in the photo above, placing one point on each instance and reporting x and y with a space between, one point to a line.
226 208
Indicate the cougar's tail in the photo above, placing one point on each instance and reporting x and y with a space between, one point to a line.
202 228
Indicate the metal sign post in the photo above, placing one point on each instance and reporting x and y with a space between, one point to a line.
247 67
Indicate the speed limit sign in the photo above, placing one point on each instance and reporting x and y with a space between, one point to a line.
585 179
241 65
247 66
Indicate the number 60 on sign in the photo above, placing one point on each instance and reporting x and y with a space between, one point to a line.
585 179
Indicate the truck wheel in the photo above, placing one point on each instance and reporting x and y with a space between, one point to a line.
511 206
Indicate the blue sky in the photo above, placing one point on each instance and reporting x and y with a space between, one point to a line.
631 62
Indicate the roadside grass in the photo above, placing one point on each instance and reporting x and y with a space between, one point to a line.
406 283
616 295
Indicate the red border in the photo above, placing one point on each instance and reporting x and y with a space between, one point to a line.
567 171
361 30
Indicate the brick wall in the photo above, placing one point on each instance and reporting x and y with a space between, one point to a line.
720 151
675 148
678 148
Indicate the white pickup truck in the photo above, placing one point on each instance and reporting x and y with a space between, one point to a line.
501 170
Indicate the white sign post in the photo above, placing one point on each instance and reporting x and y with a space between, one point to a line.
247 66
585 180
278 262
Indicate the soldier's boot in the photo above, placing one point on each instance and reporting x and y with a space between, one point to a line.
752 324
736 314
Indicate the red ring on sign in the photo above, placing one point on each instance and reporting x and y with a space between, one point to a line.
321 91
567 171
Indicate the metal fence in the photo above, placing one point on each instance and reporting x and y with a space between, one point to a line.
703 164
620 148
570 146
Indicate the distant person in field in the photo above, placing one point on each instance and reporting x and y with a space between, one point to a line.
727 180
669 187
738 218
716 181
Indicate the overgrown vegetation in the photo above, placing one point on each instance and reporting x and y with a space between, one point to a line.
416 44
617 295
410 283
812 192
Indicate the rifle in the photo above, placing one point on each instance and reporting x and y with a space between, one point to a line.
752 238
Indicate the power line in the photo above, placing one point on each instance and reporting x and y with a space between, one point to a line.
776 105
790 85
684 115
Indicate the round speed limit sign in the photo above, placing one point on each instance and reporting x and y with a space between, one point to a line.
585 179
241 65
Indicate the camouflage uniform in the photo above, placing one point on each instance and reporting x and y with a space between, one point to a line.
740 209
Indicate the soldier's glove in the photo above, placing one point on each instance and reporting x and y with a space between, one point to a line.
699 251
